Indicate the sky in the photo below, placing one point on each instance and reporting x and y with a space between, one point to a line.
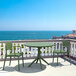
37 15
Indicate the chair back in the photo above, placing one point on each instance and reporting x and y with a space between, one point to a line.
66 43
8 46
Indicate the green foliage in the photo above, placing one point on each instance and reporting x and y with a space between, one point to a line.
14 47
54 47
29 53
14 44
48 48
44 52
25 52
47 51
1 49
18 45
50 51
1 45
40 51
22 46
44 47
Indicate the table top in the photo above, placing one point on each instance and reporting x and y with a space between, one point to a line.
38 44
60 51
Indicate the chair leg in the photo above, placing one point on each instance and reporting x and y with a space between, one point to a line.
70 59
10 61
53 58
57 59
64 57
37 61
40 64
4 62
22 60
18 64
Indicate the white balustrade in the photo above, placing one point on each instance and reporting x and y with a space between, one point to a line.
73 49
32 52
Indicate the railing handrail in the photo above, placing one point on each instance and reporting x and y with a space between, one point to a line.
47 51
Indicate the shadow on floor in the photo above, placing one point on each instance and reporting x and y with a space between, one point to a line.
55 64
33 69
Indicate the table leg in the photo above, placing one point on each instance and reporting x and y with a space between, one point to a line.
70 59
32 62
64 57
40 64
39 58
37 61
44 61
10 61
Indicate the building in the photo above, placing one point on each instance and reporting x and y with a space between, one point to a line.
68 36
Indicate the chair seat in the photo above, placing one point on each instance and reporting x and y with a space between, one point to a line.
60 51
15 54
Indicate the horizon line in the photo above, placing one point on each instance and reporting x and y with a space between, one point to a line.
36 30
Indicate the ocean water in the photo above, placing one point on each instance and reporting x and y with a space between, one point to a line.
24 35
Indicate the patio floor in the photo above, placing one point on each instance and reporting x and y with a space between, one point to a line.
64 68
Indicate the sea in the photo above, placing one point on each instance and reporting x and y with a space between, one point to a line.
29 35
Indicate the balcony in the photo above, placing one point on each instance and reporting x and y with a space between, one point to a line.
32 52
64 68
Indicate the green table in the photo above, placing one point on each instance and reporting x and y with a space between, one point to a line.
39 45
60 52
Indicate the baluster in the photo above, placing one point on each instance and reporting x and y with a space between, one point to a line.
42 50
28 52
4 51
13 47
49 49
17 50
71 49
31 51
45 51
36 52
25 51
56 45
59 46
22 49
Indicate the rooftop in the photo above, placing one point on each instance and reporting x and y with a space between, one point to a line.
64 68
71 35
68 36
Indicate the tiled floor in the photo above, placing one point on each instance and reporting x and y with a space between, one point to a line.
64 68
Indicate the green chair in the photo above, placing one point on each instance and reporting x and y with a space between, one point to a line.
66 44
10 47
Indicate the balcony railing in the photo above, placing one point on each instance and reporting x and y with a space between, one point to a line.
32 52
